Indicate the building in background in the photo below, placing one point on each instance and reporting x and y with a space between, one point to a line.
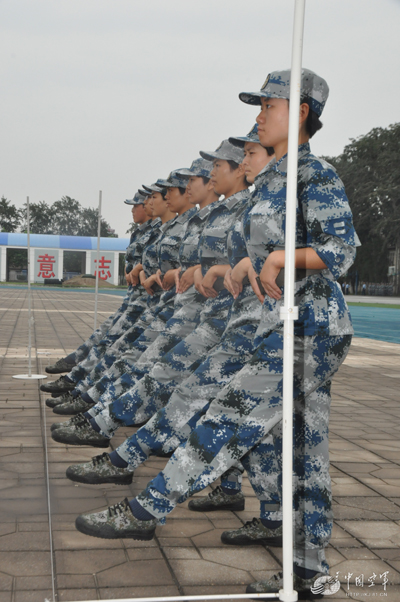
53 256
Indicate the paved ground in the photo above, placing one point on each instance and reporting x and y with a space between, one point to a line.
187 556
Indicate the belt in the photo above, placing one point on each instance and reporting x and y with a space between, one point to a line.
299 274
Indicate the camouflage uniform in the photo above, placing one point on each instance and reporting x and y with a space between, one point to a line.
119 376
131 258
154 389
246 410
186 315
145 253
190 399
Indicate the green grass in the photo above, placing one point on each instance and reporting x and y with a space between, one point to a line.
383 305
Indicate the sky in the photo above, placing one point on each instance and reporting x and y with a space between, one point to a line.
112 94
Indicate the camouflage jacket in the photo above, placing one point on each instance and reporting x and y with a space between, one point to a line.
213 240
169 243
134 251
189 248
324 223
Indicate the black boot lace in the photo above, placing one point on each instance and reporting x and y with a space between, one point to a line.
119 508
101 459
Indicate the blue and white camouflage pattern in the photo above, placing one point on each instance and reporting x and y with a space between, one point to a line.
314 89
250 406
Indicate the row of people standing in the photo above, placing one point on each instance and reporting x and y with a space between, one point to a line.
197 353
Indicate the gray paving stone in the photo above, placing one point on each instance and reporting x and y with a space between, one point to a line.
202 572
88 562
77 594
143 572
115 593
364 436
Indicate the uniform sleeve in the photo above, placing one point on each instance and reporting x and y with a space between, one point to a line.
328 218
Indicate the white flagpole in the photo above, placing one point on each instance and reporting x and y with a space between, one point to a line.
98 261
29 289
289 313
30 318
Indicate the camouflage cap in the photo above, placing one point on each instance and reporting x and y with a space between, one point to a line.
277 85
144 193
225 151
138 199
154 187
174 180
252 136
199 167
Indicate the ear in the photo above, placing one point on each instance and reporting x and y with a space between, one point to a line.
240 171
304 111
210 186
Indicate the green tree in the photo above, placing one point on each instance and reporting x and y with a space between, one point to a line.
66 214
41 218
9 216
369 168
88 224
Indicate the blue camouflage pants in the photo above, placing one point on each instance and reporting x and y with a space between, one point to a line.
127 320
154 389
171 425
83 350
172 324
191 398
241 416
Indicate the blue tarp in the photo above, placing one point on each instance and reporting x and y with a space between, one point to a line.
53 241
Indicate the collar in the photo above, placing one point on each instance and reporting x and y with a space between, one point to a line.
145 225
182 219
156 223
168 224
259 177
231 201
203 213
281 165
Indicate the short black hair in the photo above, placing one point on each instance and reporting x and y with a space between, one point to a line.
313 122
163 192
233 165
181 190
270 151
205 180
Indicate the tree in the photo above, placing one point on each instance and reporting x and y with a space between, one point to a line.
41 218
88 224
369 168
9 216
66 216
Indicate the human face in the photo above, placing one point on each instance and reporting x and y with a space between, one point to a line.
176 202
273 124
158 204
196 190
138 213
255 159
148 207
222 177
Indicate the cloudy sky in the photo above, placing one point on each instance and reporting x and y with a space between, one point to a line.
112 94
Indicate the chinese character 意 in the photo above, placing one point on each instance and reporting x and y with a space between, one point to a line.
46 266
104 271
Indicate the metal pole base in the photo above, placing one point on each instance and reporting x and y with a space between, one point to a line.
31 377
288 596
